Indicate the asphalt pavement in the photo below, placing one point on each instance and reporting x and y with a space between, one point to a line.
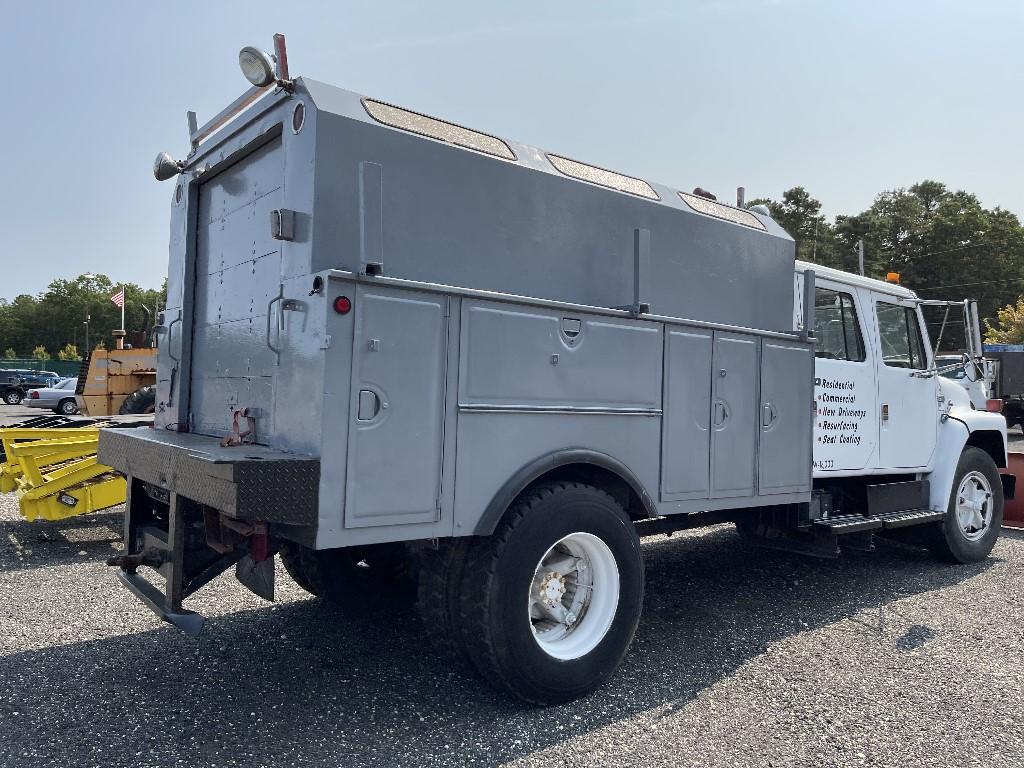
743 658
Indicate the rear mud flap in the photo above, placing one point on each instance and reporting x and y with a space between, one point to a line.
257 577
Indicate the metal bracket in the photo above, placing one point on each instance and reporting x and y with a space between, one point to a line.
641 272
282 224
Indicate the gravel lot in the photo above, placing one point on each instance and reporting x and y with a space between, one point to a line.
743 658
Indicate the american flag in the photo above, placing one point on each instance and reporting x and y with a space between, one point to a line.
118 298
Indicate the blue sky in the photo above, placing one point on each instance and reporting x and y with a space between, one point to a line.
844 98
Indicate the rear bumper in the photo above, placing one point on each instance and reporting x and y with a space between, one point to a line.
194 509
247 482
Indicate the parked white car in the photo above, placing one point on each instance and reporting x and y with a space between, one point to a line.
60 398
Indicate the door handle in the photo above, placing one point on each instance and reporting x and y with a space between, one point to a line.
768 415
721 413
369 405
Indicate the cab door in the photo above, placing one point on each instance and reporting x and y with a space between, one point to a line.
845 390
907 392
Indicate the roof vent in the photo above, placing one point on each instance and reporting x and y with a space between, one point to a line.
721 211
602 176
432 128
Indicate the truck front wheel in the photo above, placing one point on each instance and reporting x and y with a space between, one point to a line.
549 604
975 510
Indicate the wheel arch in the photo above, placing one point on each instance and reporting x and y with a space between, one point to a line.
578 464
991 442
954 436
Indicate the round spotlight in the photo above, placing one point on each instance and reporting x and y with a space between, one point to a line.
257 66
164 167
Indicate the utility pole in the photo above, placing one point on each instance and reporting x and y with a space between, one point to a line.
860 255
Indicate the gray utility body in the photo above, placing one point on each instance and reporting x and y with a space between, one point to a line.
382 327
485 342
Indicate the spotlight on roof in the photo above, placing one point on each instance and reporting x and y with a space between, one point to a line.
257 66
165 167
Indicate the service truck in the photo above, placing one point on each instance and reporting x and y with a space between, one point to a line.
391 340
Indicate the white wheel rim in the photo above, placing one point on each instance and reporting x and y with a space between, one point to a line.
974 505
573 596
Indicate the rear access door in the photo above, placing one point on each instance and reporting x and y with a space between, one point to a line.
237 283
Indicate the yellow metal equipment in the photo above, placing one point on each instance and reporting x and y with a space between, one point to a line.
110 376
55 473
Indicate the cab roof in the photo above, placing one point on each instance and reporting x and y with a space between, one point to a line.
880 286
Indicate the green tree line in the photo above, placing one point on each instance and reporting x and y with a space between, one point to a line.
944 244
49 322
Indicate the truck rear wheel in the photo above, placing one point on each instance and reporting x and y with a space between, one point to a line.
345 576
975 511
12 397
549 604
437 599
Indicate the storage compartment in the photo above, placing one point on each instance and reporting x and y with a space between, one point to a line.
784 449
536 359
396 429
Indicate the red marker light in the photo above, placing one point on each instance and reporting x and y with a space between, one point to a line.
342 305
994 406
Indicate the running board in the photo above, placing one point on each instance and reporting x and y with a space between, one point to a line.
845 524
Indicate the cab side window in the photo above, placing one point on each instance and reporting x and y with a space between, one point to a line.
900 334
837 333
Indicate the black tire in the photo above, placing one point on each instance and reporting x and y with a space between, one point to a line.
948 540
494 622
139 402
13 397
346 577
67 406
437 598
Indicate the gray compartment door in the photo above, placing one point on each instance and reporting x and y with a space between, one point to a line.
686 442
397 410
784 456
734 415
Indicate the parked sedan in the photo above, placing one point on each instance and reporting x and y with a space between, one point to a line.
15 383
61 398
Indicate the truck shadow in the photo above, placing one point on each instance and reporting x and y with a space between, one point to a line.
300 682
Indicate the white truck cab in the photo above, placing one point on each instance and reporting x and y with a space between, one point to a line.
881 407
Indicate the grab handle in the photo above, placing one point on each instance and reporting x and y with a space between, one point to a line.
280 324
170 338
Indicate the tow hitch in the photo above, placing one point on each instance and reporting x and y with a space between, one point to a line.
189 545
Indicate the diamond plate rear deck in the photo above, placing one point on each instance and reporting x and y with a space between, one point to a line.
249 482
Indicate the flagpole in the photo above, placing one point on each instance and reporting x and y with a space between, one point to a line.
122 306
